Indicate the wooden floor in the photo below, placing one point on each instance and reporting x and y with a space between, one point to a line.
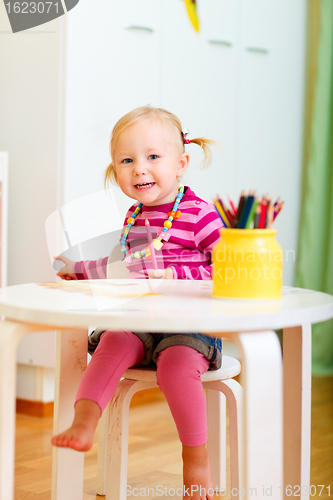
154 451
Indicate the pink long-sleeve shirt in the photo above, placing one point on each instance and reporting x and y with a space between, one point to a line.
187 247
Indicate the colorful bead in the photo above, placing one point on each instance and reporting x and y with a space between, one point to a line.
157 244
137 255
168 224
164 236
174 214
148 251
131 221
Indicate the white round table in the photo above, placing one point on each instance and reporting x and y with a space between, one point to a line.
276 444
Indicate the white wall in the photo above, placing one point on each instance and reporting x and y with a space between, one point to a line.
29 109
29 90
35 383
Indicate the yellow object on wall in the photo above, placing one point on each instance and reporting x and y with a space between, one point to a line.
192 13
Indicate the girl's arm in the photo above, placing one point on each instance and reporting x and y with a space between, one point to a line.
91 269
84 270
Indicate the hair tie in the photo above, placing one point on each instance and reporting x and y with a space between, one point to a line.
185 131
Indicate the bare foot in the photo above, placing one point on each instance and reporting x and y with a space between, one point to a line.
78 437
197 477
81 433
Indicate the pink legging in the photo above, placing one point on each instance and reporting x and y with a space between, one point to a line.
178 376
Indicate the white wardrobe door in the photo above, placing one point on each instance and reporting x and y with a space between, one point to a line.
199 85
271 108
135 38
113 66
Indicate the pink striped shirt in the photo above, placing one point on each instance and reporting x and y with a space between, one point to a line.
187 246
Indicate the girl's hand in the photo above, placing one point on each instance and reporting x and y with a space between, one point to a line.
66 272
167 273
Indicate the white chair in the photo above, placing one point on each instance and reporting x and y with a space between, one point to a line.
114 428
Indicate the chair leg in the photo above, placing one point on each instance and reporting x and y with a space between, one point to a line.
118 437
233 393
217 443
103 426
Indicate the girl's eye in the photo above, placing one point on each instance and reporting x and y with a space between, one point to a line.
127 160
152 157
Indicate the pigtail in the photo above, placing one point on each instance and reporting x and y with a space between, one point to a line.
205 145
110 176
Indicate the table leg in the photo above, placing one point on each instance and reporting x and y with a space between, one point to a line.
261 378
297 410
217 439
67 464
10 336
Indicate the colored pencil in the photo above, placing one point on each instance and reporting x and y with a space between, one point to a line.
239 208
262 220
218 213
226 211
231 217
233 208
270 210
251 214
222 213
278 210
242 212
276 203
245 212
151 244
257 216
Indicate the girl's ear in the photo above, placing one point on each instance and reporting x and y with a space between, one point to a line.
183 164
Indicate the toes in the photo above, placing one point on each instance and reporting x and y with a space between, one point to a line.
61 440
74 439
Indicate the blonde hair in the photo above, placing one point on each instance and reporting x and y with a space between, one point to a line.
148 112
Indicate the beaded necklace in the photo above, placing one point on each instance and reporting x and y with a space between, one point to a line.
157 242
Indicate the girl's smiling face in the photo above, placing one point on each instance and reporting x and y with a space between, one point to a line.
148 160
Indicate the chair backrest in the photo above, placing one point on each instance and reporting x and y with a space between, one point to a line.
83 229
116 268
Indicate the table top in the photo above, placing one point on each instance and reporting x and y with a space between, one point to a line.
158 305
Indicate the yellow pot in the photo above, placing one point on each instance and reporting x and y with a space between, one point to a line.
247 264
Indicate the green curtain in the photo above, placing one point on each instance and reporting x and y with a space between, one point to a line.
314 267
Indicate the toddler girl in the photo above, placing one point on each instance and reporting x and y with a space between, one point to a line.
148 159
